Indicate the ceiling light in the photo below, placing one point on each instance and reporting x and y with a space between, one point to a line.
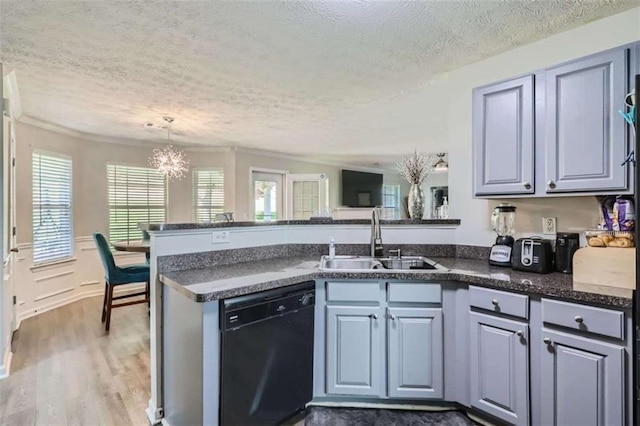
169 161
441 165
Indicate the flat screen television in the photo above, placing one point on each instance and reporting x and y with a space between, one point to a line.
361 189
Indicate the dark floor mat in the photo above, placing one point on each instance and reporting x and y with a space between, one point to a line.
330 416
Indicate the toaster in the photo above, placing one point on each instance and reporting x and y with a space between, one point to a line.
532 255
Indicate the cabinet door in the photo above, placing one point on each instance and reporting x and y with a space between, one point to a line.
415 366
583 381
503 137
585 141
500 367
354 351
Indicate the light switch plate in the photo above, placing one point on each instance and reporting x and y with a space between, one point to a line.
549 226
221 237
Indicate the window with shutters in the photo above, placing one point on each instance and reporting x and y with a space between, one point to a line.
208 194
136 195
52 218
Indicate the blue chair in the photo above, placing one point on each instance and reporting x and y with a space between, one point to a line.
115 276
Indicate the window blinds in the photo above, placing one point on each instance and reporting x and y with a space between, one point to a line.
52 218
136 194
208 194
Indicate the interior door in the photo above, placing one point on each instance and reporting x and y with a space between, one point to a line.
307 195
267 196
8 220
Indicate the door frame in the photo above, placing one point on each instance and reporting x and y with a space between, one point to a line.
252 200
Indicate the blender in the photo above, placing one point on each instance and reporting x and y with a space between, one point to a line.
503 221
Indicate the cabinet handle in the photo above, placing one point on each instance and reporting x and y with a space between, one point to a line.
551 184
520 333
547 341
494 302
393 317
527 185
578 319
373 316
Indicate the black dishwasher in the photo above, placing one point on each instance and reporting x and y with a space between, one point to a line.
266 361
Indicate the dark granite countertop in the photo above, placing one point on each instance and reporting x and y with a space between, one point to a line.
221 282
185 226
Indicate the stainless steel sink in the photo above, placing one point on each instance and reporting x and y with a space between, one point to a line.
362 263
349 263
409 262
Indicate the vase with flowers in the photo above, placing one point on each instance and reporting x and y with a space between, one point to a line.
415 168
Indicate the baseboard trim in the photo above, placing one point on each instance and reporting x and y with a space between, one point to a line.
74 298
155 415
5 368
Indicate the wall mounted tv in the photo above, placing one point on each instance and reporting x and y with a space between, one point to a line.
361 189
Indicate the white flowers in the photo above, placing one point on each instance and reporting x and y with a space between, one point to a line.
416 167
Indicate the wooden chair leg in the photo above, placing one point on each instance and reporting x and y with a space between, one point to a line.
109 305
104 301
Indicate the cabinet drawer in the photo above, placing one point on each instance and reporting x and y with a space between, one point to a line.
415 292
354 291
499 301
584 318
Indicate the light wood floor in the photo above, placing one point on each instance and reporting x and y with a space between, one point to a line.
67 371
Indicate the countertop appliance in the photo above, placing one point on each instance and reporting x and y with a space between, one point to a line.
566 245
266 364
503 221
533 255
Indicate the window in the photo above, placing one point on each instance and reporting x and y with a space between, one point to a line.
136 194
391 201
52 232
208 194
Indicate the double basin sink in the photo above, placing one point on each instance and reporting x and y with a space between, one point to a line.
364 263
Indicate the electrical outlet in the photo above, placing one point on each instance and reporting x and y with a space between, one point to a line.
221 237
548 226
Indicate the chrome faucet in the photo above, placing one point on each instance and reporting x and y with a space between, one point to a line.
376 234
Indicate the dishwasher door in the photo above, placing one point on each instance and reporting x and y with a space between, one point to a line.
267 369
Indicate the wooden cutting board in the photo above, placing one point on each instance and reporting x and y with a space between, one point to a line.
605 270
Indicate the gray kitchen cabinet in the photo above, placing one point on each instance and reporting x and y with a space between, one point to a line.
415 353
354 352
583 381
499 370
585 140
503 137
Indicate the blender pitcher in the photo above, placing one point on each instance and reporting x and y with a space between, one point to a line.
503 220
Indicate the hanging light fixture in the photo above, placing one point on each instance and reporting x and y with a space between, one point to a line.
441 165
169 161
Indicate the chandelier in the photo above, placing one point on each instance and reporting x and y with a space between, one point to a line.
169 161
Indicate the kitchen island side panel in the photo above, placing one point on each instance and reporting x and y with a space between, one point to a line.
182 359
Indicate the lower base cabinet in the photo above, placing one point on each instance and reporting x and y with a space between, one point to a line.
354 350
500 367
415 359
582 381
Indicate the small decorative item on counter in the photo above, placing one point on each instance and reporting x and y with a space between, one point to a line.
605 238
415 168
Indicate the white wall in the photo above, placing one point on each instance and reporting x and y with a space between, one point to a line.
575 213
47 287
247 160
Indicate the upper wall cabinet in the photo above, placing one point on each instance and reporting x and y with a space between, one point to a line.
585 141
556 131
503 135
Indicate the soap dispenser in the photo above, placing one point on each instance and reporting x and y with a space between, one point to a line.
332 248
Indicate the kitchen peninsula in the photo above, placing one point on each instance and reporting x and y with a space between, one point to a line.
486 339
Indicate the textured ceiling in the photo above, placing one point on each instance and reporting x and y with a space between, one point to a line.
309 78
